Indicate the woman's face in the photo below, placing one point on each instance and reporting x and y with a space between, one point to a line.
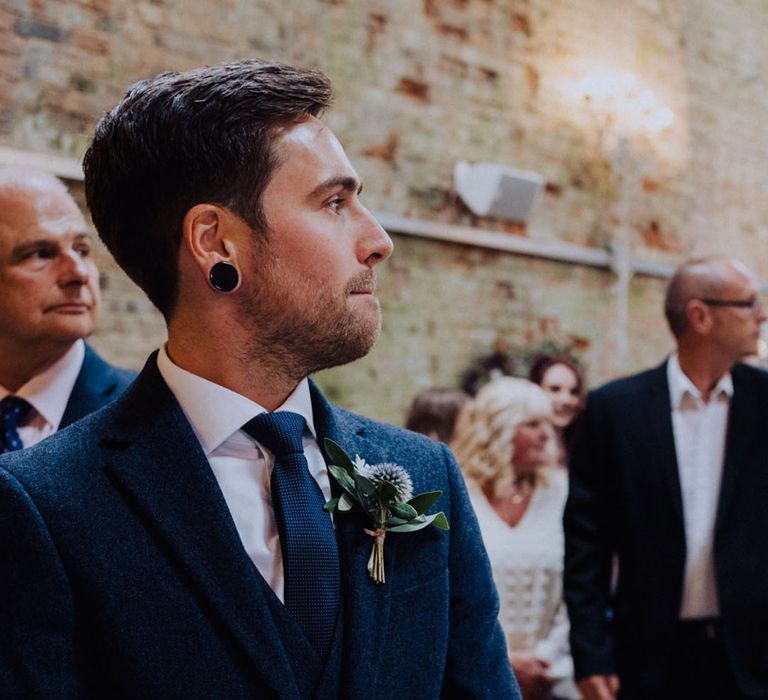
530 445
562 385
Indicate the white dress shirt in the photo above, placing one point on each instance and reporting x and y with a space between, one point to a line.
699 428
48 392
242 467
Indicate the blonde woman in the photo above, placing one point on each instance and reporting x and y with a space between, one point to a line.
506 446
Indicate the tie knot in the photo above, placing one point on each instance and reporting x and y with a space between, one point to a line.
13 411
279 432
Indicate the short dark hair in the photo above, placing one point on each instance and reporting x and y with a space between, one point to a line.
181 139
434 412
542 362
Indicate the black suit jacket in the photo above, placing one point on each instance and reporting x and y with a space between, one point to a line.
96 385
122 574
625 498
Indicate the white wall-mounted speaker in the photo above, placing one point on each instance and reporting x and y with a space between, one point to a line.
498 191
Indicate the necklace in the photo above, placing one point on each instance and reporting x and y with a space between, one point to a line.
520 492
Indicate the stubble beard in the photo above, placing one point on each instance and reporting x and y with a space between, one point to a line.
303 329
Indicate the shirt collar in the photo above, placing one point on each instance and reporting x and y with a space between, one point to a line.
217 413
49 391
680 384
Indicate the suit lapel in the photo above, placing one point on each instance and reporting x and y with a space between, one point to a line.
94 381
365 604
154 457
743 429
661 436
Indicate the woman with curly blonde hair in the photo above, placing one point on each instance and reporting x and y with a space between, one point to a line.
506 446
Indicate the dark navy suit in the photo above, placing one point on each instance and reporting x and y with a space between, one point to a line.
122 574
625 498
96 385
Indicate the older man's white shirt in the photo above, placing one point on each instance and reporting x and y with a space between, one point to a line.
700 432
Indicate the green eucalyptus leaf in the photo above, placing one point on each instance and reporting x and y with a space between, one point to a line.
342 476
345 502
338 456
419 523
364 484
391 521
408 527
387 491
370 505
331 505
403 510
441 522
424 501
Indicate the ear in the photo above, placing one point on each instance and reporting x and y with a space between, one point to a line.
209 236
699 316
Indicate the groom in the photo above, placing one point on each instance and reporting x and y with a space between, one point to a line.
174 544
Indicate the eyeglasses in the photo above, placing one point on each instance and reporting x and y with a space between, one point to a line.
754 305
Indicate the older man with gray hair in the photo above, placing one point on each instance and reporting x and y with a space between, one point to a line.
49 302
669 475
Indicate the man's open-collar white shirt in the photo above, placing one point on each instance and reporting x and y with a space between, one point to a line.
241 465
700 431
48 393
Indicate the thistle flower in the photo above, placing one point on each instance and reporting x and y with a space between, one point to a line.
385 495
393 474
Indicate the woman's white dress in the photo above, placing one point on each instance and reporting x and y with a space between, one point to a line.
527 563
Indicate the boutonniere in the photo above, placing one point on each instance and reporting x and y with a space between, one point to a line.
385 493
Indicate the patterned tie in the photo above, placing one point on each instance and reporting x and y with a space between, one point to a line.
13 411
307 539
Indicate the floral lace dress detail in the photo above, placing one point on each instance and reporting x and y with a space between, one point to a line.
527 563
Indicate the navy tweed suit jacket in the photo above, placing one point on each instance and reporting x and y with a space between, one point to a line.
122 574
96 385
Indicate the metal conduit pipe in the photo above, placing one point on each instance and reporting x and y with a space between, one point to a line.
70 169
495 240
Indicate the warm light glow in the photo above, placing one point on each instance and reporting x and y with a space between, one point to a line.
660 119
647 100
617 98
628 82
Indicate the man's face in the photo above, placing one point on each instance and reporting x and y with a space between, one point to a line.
311 285
49 292
736 330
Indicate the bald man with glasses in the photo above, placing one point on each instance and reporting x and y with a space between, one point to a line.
669 477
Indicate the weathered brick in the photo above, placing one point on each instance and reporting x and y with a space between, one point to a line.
39 30
92 41
421 85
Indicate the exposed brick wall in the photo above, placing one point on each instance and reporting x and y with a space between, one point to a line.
444 303
421 85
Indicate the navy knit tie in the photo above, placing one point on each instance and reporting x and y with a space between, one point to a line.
13 411
307 539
